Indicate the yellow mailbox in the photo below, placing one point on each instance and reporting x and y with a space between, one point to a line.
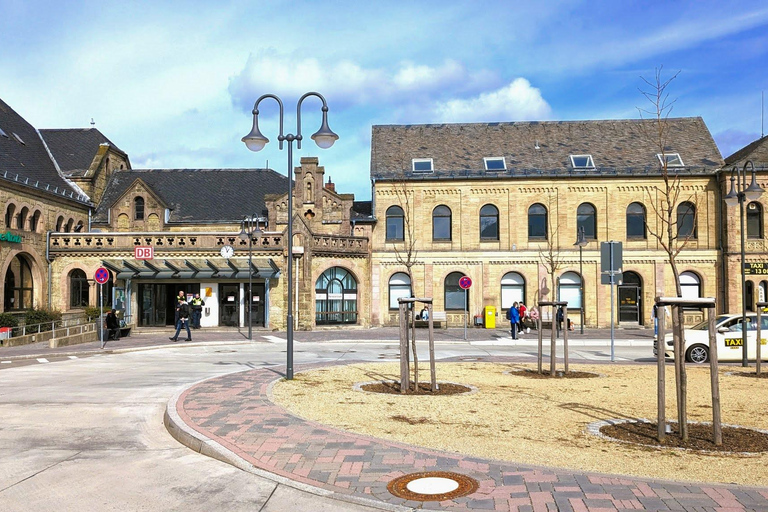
490 317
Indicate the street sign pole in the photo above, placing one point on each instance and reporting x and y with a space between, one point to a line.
611 254
466 307
101 317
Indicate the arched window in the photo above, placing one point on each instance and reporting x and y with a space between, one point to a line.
336 297
441 223
762 291
35 223
22 219
686 220
690 285
453 294
78 289
636 221
570 289
512 290
537 222
489 222
399 286
395 224
19 287
70 224
9 214
138 208
586 218
60 224
754 220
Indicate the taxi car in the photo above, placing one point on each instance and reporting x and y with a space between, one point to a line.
728 336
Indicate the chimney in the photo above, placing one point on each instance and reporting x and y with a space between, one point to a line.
330 186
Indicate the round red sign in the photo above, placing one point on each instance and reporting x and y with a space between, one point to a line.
465 282
101 276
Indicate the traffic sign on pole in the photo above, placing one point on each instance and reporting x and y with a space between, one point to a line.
101 275
465 282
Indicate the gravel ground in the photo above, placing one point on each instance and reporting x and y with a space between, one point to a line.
537 421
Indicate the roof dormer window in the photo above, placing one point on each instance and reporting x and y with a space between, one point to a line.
422 165
495 163
673 159
582 162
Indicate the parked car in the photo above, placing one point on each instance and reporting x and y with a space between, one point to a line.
729 339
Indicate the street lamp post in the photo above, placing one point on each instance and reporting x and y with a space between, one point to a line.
738 194
249 228
581 241
255 141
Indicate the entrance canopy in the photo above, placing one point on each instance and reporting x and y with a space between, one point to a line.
210 268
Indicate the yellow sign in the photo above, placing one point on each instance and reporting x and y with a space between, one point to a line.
755 268
733 342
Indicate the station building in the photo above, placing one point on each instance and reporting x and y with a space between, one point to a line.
491 201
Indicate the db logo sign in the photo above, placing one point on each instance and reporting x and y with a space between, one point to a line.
144 253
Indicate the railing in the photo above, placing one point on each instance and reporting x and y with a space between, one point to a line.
23 330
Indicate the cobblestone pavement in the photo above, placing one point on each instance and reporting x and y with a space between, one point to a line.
235 412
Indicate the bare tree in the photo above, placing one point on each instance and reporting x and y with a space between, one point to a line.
664 201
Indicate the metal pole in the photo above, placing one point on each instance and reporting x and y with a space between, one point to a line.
744 361
581 275
613 280
101 318
289 334
250 278
465 313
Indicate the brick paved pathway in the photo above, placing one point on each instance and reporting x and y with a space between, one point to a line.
234 411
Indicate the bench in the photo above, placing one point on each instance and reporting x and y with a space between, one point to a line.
438 320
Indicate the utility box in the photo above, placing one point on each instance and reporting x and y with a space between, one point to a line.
5 332
489 315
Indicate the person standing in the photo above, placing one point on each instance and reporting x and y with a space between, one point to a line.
523 315
560 317
197 310
113 325
182 310
514 319
533 314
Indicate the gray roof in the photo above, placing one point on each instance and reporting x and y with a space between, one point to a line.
539 148
757 152
24 158
75 148
200 196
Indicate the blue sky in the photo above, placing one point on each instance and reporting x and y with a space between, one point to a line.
173 83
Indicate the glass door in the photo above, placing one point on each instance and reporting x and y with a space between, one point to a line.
153 305
257 304
229 304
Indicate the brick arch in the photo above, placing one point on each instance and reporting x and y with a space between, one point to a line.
35 260
63 278
40 228
10 204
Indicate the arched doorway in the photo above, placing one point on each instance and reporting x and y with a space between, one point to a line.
19 285
630 299
336 297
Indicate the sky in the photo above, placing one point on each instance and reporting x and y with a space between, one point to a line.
173 83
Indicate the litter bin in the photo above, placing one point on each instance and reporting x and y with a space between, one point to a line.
5 332
489 314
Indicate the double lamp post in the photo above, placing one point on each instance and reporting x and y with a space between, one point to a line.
740 193
255 141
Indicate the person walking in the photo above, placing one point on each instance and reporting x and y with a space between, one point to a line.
197 310
183 313
514 319
113 325
560 317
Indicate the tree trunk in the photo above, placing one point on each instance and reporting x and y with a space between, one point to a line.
404 370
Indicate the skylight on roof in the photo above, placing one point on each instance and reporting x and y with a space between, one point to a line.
582 162
673 159
422 165
495 163
16 135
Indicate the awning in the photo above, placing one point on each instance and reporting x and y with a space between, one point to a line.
209 268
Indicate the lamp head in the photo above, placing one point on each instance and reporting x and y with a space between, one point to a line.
732 199
754 191
324 137
255 140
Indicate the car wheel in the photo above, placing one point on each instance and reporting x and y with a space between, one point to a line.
698 354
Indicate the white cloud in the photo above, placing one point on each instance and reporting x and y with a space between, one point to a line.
517 101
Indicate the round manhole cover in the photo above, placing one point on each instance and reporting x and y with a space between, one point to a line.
432 486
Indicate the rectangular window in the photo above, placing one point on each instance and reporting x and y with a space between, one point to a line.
582 162
496 163
673 159
422 165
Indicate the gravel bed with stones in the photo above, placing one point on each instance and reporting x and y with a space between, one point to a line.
537 421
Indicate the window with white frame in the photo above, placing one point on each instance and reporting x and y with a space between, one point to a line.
512 290
399 287
495 163
570 289
672 159
422 165
582 162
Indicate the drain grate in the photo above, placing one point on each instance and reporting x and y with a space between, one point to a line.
432 486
